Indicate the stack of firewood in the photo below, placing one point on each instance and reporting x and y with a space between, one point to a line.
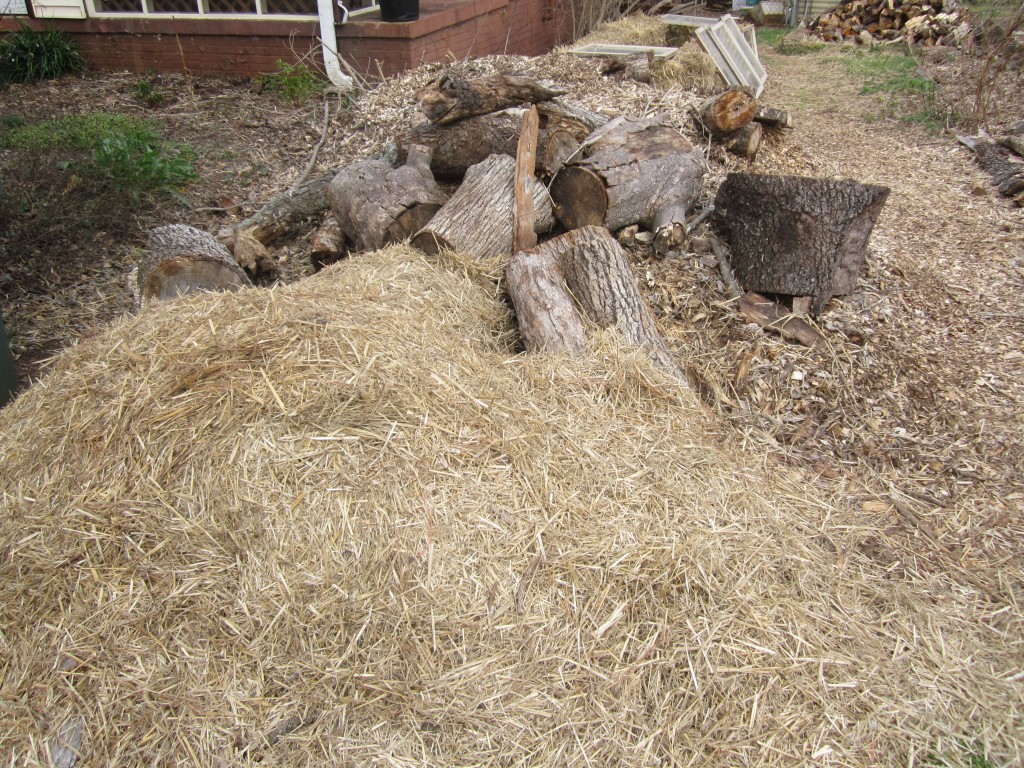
917 21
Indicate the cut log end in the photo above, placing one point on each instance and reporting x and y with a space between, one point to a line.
410 221
580 198
181 276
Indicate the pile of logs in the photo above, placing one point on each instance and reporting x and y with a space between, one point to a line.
735 119
529 164
918 21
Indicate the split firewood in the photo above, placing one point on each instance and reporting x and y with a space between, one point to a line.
1006 173
746 141
180 259
457 146
631 171
773 118
376 204
523 234
798 236
726 112
477 220
327 245
586 266
450 98
636 67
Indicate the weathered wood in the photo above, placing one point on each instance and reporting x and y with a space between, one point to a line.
636 67
746 141
755 308
1006 173
376 204
282 213
457 146
773 118
556 151
327 244
1014 143
180 259
523 234
798 236
545 310
477 220
597 276
451 98
631 171
726 112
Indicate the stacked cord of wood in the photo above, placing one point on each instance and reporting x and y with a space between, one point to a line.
917 21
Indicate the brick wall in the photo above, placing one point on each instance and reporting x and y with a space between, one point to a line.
446 29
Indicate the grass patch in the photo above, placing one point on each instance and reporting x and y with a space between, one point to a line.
906 93
293 82
27 55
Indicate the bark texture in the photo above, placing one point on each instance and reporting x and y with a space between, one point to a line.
597 275
450 98
376 204
477 220
283 212
746 141
180 259
798 236
773 118
631 171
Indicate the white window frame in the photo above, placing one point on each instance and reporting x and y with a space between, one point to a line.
259 12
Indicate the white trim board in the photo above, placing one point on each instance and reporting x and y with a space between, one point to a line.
606 49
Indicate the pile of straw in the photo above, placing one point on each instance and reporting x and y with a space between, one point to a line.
343 523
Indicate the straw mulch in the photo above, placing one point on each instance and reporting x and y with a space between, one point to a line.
343 523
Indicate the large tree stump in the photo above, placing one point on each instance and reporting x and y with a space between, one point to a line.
180 259
457 146
798 236
586 266
376 204
450 98
477 220
631 171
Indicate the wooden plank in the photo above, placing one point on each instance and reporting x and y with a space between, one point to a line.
523 235
607 49
755 308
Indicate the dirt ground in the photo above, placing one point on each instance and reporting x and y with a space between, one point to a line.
915 405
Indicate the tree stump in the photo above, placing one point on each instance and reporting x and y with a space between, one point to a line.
586 268
180 259
477 220
450 98
631 171
376 204
798 236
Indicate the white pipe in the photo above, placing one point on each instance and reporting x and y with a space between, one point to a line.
329 42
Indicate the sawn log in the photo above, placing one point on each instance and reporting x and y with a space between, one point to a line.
180 259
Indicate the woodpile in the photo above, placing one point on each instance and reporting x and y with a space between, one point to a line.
916 21
735 119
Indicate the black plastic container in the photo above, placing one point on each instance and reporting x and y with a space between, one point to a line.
399 10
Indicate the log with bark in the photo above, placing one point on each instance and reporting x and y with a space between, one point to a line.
798 236
746 141
584 268
327 244
180 259
478 219
637 67
631 171
773 118
457 146
451 98
1006 173
726 112
376 204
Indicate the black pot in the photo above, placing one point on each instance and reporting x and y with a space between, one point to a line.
399 10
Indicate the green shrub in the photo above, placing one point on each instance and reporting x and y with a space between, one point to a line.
28 55
149 94
123 154
295 82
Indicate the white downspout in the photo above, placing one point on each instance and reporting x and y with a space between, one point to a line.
329 42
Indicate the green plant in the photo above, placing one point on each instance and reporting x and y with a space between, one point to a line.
149 94
295 82
27 55
907 93
122 150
